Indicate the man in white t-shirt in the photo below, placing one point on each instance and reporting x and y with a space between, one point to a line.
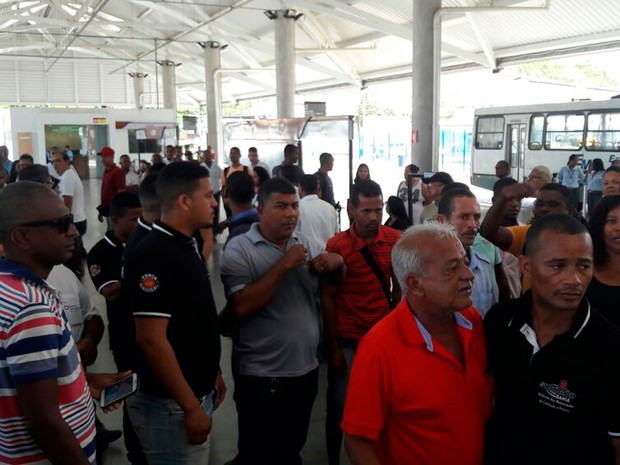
317 218
71 190
132 180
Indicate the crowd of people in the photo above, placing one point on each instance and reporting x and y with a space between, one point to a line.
449 337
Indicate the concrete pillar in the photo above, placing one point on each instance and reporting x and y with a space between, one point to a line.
213 83
422 79
285 61
138 88
169 84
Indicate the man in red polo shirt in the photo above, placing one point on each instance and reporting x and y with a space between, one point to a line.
365 296
113 182
418 391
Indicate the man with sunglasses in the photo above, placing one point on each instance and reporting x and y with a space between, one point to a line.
46 397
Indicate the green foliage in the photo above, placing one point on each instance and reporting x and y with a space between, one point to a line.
583 73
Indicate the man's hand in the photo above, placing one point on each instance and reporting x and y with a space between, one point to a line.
221 390
518 191
296 255
88 350
197 424
327 262
97 382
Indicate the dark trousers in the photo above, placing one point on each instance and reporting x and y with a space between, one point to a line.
593 198
337 384
273 418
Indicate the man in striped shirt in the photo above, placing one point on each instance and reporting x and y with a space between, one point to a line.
46 411
351 308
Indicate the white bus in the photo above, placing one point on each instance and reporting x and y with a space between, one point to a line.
530 135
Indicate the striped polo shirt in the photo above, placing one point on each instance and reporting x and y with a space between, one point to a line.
361 301
36 344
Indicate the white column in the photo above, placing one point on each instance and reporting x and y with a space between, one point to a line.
169 84
213 83
422 80
285 61
138 88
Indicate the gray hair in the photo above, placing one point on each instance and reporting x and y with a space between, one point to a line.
407 254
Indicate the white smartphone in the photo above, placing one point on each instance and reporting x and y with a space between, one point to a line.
119 390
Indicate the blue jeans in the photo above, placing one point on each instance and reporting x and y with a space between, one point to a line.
160 425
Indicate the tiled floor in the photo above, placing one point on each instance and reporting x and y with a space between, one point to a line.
224 433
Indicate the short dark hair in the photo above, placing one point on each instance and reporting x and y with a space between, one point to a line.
612 169
262 174
459 186
503 163
569 200
446 203
27 156
240 187
291 173
573 157
274 186
412 168
253 149
309 183
365 188
148 193
235 149
17 200
501 183
123 201
560 224
325 158
289 148
35 173
596 226
176 179
124 156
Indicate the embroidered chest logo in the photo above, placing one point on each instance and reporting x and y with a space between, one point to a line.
557 396
94 270
149 283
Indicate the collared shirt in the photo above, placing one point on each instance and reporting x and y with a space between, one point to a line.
105 265
570 178
595 181
35 345
361 301
317 218
240 223
408 394
215 175
281 339
556 404
166 278
484 291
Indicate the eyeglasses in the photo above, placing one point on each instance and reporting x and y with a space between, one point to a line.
62 224
532 177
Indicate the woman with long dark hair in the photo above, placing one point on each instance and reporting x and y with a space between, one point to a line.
604 290
362 173
398 215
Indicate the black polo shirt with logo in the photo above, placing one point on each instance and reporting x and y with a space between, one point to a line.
166 278
559 404
105 263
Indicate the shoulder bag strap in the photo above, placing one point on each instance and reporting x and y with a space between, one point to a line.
375 268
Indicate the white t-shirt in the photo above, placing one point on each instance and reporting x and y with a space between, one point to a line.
317 219
71 185
131 179
74 296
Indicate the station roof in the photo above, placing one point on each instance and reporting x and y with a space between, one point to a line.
338 42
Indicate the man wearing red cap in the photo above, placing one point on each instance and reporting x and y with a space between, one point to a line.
113 182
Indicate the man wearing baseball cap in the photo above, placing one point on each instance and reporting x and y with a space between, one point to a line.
436 184
113 182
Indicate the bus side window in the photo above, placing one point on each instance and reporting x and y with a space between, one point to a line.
537 123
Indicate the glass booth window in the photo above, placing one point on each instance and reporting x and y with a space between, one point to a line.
490 132
603 132
564 132
537 122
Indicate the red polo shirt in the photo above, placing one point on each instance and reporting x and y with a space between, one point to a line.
361 301
113 182
413 399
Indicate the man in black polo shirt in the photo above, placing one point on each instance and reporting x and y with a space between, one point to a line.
105 264
176 324
151 211
555 360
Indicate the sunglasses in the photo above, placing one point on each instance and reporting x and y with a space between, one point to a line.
62 224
